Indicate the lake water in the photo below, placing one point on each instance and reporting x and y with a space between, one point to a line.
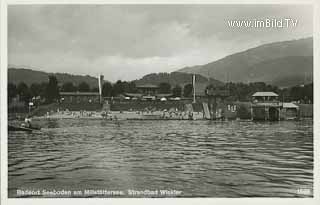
195 158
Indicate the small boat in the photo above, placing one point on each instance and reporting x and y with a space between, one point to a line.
22 128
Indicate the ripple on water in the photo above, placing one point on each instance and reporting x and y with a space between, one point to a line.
201 158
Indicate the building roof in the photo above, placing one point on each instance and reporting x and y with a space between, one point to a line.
263 94
147 86
290 105
80 93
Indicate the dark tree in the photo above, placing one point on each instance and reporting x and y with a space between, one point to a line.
302 93
44 86
176 91
118 88
243 92
296 93
36 89
52 90
95 89
129 87
12 90
68 87
164 88
187 90
24 92
83 87
106 89
309 92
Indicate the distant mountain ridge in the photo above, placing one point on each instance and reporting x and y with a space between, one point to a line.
175 78
283 64
28 76
276 63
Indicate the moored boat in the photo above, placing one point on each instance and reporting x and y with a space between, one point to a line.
22 128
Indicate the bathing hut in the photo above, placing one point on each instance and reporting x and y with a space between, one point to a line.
290 111
265 106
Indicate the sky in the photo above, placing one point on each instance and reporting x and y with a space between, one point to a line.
125 42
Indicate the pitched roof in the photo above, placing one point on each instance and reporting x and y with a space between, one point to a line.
262 94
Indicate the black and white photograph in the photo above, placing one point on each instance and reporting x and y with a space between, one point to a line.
159 101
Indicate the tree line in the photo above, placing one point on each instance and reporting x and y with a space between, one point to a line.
243 91
238 91
50 90
46 90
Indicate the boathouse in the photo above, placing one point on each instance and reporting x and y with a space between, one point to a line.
265 106
289 111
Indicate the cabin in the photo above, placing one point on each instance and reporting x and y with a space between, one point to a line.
265 106
148 89
289 111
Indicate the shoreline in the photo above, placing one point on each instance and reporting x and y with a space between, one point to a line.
116 115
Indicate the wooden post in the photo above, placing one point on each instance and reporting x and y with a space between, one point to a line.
214 108
265 113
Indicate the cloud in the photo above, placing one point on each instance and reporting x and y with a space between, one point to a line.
128 41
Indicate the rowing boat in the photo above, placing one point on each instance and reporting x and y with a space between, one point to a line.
22 128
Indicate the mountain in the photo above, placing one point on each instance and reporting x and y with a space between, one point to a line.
279 63
284 72
175 78
28 76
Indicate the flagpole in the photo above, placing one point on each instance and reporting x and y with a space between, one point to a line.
100 86
194 87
